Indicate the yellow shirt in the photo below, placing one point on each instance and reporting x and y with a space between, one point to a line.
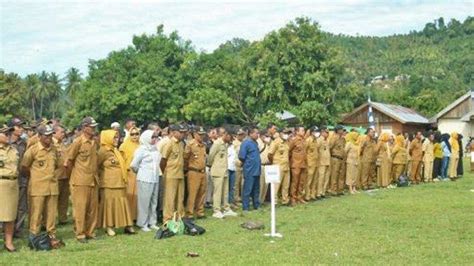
8 161
173 152
437 150
110 172
42 163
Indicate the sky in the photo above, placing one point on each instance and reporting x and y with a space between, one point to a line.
57 35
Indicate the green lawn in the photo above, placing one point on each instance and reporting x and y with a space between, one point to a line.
425 224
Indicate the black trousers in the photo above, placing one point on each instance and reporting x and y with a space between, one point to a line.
437 167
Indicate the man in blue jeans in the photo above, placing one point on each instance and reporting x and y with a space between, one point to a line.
249 155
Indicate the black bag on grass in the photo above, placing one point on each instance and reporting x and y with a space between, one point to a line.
192 229
402 181
163 233
39 242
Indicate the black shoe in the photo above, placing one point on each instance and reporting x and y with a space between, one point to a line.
129 230
201 217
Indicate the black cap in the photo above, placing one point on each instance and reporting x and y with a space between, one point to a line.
315 129
16 122
338 127
89 122
174 128
200 130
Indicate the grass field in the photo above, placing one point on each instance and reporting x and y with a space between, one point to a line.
425 224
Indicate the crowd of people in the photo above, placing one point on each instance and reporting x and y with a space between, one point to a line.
122 178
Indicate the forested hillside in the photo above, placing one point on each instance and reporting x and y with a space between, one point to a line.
300 68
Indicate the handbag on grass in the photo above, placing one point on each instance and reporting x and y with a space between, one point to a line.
176 225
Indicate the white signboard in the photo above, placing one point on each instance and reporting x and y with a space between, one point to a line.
272 173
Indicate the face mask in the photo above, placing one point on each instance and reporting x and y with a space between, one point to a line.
24 136
317 134
267 139
284 137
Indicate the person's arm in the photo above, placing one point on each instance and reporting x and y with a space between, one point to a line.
212 154
26 162
71 155
137 159
187 156
271 151
243 152
165 155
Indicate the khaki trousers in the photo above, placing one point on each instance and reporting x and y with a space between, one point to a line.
337 178
220 196
132 194
298 181
85 205
367 174
311 185
323 179
43 205
284 185
63 199
453 167
238 184
174 197
352 174
427 171
197 185
415 172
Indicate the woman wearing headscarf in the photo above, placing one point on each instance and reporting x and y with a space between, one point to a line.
438 157
146 162
358 181
453 160
114 210
352 162
446 146
399 157
385 159
460 168
127 149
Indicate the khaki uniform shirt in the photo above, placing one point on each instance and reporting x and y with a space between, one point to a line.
352 152
323 150
263 148
61 152
42 163
312 156
399 155
195 156
218 158
83 155
368 150
416 150
237 143
173 152
110 172
337 146
280 151
32 141
298 152
428 149
8 161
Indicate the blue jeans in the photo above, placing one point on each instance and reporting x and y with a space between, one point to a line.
251 189
444 167
231 185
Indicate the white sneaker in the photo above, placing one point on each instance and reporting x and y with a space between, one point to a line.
230 213
218 215
154 227
145 229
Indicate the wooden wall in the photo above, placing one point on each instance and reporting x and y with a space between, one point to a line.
460 110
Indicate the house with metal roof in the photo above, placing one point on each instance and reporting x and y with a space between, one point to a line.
458 116
388 118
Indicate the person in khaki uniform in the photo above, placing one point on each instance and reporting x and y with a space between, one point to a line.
127 149
399 158
217 161
416 154
278 154
352 161
61 174
368 150
264 143
40 162
384 158
428 158
322 145
172 165
337 145
312 160
9 189
114 209
238 167
84 180
298 166
195 165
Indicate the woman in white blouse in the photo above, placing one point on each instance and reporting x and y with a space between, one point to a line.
146 163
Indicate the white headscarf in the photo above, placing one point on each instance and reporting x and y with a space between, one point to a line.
145 140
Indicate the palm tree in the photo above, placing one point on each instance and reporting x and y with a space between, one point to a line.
55 93
73 82
43 90
32 88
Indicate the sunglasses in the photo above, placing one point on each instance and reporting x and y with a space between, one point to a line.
134 134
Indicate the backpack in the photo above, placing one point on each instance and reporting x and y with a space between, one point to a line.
163 233
39 242
192 229
402 181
